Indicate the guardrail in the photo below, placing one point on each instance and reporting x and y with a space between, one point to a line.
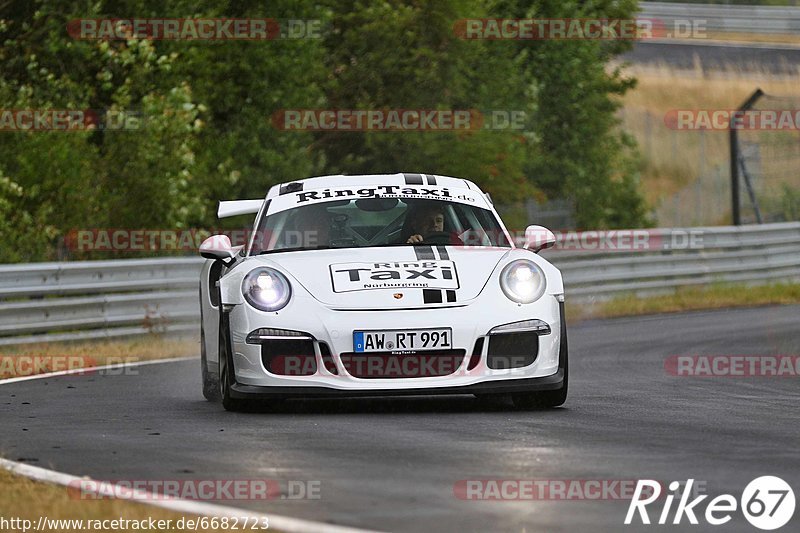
734 254
727 18
48 302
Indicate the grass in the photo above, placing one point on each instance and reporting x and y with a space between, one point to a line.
95 353
718 296
673 160
23 498
741 37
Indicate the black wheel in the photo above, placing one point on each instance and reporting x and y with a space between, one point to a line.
210 381
550 398
226 373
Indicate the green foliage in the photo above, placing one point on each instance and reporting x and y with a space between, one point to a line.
397 55
200 111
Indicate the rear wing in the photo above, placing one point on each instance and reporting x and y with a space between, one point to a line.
239 207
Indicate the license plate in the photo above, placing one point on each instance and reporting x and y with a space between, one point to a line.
402 339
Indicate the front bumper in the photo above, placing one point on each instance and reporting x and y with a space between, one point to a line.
334 328
546 383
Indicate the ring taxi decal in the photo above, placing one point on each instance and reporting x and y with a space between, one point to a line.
431 274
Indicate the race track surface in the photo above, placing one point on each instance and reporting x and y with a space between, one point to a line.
391 464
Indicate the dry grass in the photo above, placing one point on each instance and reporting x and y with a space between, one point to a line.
22 498
736 37
673 160
689 299
83 354
661 88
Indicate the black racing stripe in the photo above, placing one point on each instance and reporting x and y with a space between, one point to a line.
432 296
413 179
424 252
431 179
451 296
442 252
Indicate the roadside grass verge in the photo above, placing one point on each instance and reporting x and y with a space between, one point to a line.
30 359
744 37
717 296
26 499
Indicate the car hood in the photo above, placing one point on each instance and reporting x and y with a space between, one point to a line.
395 277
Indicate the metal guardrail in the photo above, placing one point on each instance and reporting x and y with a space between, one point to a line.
732 254
727 18
47 302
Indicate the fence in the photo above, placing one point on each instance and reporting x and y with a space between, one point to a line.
728 18
47 302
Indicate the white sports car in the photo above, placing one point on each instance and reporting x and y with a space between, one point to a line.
380 285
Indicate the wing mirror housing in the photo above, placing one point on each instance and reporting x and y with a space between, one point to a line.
219 247
538 238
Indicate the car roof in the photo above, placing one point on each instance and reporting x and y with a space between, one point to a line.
367 180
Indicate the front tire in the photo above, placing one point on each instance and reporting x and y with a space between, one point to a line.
211 389
210 381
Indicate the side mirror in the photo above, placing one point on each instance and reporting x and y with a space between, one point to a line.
537 238
218 247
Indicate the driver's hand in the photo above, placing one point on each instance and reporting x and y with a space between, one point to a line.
414 239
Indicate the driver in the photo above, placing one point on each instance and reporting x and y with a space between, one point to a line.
425 221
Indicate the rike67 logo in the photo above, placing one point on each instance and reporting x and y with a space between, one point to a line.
767 503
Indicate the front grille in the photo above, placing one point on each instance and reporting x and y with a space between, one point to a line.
388 365
289 357
512 350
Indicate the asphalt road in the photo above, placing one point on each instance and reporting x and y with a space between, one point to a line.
774 58
391 464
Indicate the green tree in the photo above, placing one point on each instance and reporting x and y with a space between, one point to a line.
406 55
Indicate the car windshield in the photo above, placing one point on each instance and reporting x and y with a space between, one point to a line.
367 222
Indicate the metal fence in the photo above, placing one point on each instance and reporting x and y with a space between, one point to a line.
730 254
727 18
49 302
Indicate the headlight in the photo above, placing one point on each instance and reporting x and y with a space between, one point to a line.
266 289
522 281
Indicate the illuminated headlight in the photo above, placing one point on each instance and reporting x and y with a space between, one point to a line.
266 289
522 281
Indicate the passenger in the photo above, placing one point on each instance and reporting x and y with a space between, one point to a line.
313 225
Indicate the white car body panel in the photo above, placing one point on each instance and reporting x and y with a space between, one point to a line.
330 310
